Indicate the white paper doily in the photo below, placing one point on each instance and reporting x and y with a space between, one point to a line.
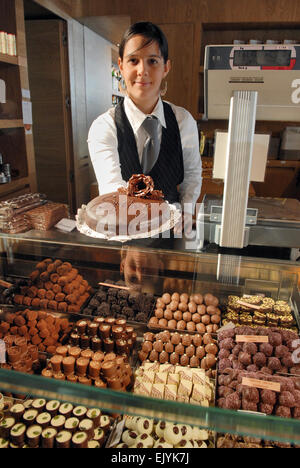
82 227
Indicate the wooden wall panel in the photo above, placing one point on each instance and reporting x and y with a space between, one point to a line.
63 8
181 55
205 11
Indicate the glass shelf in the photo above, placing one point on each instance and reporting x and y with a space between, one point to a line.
215 419
165 270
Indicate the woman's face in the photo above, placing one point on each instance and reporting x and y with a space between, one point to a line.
143 70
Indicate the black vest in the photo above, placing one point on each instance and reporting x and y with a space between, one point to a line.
168 171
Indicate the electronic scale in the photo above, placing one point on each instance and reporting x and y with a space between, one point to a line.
245 83
273 70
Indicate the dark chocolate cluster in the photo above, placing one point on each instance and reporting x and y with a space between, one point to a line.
120 303
278 355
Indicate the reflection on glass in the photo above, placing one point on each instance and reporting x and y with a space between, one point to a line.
141 271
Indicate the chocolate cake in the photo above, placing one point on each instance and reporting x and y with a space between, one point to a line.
137 208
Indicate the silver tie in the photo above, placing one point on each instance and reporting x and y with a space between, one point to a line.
152 147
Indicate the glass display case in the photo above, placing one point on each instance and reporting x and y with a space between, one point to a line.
152 271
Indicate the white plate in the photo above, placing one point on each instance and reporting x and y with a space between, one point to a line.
82 227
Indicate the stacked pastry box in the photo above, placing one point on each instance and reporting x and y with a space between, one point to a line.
139 432
30 211
38 423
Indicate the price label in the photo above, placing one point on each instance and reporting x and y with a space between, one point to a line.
2 352
274 386
251 306
66 225
251 339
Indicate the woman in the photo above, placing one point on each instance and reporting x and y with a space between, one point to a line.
144 134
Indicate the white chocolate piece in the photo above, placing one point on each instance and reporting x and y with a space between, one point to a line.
28 403
144 389
30 415
58 421
186 374
185 388
93 444
4 443
161 378
148 376
39 403
179 369
200 444
63 437
129 438
145 426
194 402
166 368
158 391
199 434
150 366
146 439
53 405
171 392
183 399
99 434
43 418
17 408
160 428
184 444
173 379
199 392
186 431
172 434
129 421
161 443
198 376
65 408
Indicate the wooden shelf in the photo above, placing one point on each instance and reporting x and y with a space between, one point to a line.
270 162
13 186
11 124
281 163
9 59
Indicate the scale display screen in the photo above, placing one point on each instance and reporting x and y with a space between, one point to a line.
262 58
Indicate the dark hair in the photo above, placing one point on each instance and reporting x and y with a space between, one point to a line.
151 33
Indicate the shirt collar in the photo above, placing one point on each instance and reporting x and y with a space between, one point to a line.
136 117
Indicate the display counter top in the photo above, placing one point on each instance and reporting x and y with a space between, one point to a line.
56 270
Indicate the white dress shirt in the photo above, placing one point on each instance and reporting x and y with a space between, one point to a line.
103 147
